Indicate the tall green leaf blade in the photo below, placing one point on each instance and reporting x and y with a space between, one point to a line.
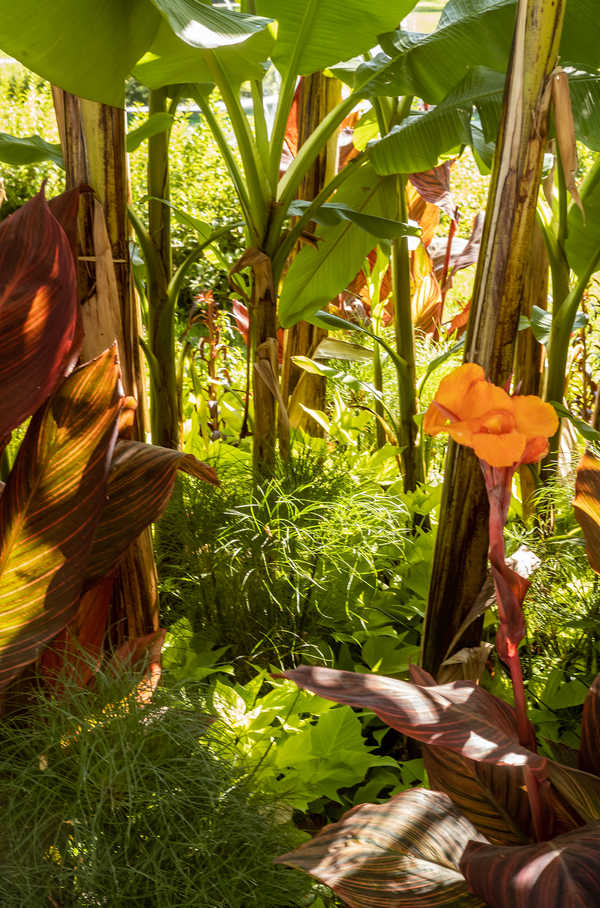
461 716
29 150
336 30
50 509
86 47
318 274
152 126
401 854
139 487
38 310
563 871
583 240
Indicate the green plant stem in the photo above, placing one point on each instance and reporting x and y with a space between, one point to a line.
256 180
163 398
401 296
231 164
378 383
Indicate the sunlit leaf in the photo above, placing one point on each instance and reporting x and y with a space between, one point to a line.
563 871
460 716
401 854
587 506
38 310
50 509
330 30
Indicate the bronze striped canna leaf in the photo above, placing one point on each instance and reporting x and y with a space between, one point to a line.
587 506
460 716
39 310
401 854
50 508
492 797
139 487
561 873
589 750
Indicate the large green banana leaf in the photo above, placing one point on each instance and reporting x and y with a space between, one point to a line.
320 272
470 33
315 34
583 239
89 48
418 142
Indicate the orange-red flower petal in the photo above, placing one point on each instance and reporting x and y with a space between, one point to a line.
534 417
499 450
450 396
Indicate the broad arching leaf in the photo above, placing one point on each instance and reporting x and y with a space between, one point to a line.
419 141
29 150
460 716
470 33
401 854
562 872
318 274
139 487
38 310
50 509
317 33
492 797
172 60
85 47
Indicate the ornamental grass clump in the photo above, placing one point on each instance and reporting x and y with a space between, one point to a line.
503 825
106 802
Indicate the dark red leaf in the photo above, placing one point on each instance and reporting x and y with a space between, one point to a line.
434 186
561 873
589 750
77 650
460 716
38 310
492 797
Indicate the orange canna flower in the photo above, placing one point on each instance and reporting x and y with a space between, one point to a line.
502 430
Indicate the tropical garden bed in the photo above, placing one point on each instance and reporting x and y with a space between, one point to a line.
251 313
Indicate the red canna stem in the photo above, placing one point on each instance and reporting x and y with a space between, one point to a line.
510 592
